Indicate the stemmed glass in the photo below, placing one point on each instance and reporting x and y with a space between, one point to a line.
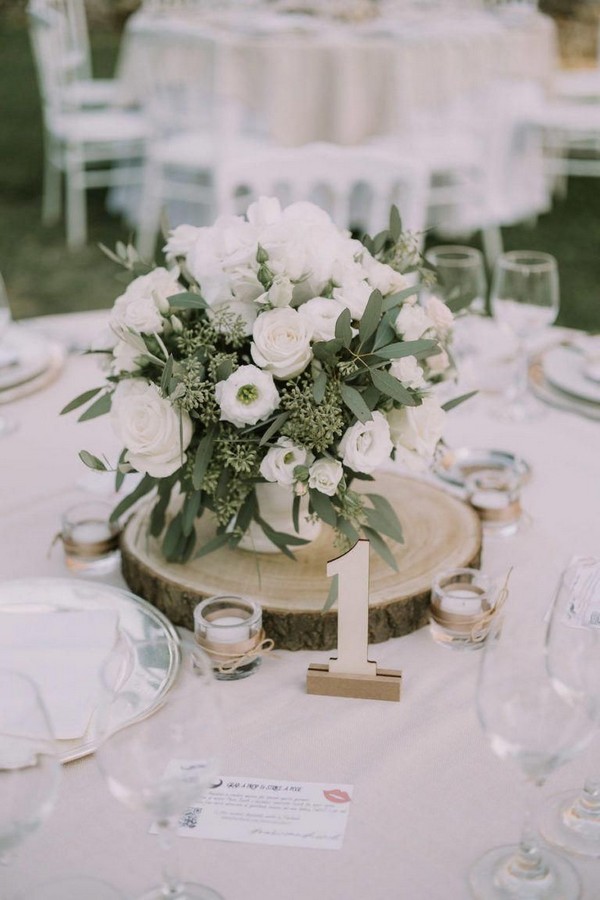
526 719
164 763
524 297
7 425
571 820
29 763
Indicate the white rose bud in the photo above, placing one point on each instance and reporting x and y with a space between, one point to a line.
325 475
417 428
279 463
364 446
409 372
247 396
412 322
281 342
154 432
439 314
280 292
177 324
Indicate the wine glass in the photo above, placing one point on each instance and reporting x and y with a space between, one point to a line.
571 820
166 762
524 297
7 425
528 720
29 763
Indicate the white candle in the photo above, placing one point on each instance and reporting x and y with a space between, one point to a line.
492 499
228 630
90 532
462 601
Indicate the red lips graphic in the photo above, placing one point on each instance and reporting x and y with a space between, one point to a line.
337 796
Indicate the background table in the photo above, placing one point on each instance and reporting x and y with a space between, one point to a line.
429 797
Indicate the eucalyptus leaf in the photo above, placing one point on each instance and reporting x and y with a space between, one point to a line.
407 348
323 507
273 428
456 401
371 316
91 461
348 530
143 488
80 400
189 511
333 593
100 407
165 379
394 300
355 403
121 471
187 300
387 512
391 387
215 543
172 539
343 327
319 387
380 547
395 224
247 512
296 513
382 526
203 456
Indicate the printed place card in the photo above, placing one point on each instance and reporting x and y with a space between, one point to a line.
264 811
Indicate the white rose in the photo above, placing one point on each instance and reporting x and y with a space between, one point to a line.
412 322
141 307
153 431
180 241
439 363
321 314
279 463
409 372
355 295
439 314
282 342
417 428
365 446
381 276
247 396
279 294
324 475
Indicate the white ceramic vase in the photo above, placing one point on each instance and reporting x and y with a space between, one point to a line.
275 503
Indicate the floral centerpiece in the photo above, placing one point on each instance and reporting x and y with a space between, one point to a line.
270 349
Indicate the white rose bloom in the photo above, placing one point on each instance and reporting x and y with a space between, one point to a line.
412 322
265 211
279 463
439 363
381 276
247 396
321 314
324 475
417 428
141 307
409 372
282 342
365 446
354 295
439 314
153 431
180 241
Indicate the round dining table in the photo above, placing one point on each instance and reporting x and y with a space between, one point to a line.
429 795
303 78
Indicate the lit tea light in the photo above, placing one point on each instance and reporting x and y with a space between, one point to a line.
494 494
230 630
461 608
90 540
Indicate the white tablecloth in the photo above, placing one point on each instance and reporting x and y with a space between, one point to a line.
345 82
429 797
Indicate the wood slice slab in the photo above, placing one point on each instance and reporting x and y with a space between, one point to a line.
439 532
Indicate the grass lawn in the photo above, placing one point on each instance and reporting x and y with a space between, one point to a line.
43 277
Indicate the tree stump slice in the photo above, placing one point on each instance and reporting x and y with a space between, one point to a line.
440 532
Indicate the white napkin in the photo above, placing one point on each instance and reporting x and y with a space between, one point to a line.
62 653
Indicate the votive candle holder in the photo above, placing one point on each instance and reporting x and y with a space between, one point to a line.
461 608
90 540
229 629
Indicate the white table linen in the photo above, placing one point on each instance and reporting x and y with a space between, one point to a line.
429 797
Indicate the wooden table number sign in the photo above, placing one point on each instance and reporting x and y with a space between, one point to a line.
352 674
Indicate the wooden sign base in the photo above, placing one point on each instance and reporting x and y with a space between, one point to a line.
384 685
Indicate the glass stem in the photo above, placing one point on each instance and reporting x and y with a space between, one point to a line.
528 862
522 373
171 881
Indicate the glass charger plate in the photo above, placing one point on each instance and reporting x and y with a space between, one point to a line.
564 368
139 622
28 355
453 464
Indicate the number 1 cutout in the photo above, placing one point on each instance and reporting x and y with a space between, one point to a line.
352 570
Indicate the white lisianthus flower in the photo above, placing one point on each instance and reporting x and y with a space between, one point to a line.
324 475
145 301
322 314
416 430
364 446
281 343
439 363
279 294
180 241
248 395
439 314
409 372
125 358
355 295
280 461
412 322
382 276
154 432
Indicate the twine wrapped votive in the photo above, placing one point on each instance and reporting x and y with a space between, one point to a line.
461 609
229 629
90 540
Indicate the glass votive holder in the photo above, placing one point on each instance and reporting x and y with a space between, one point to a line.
229 629
461 609
495 495
90 540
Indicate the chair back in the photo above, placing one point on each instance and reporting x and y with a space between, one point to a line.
355 185
50 43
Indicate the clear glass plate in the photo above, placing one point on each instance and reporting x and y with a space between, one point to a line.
139 622
453 464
